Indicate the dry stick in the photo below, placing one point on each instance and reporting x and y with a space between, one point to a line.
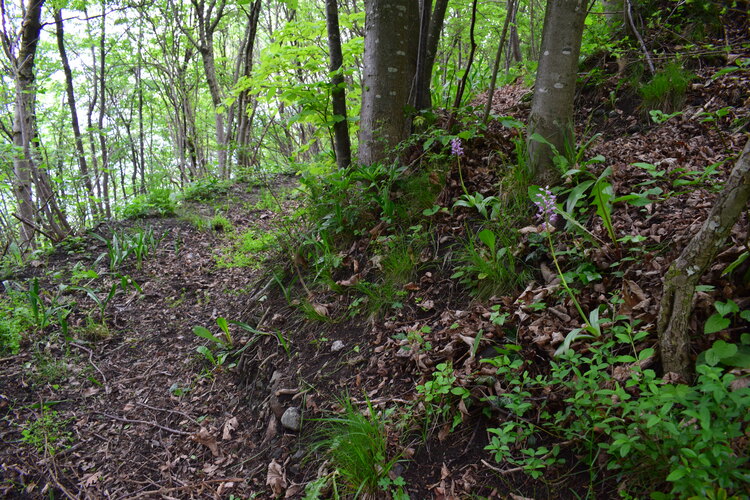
153 424
32 226
161 491
640 39
169 411
91 354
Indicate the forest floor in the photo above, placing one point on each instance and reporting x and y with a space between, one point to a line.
134 411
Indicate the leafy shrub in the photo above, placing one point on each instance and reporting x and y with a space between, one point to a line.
663 438
221 224
157 203
488 265
666 90
15 319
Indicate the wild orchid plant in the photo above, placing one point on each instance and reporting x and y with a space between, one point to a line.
546 203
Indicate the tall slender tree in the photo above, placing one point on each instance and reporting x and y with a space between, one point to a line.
341 143
77 136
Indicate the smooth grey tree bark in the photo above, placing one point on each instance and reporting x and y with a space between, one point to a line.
685 272
552 106
390 60
341 143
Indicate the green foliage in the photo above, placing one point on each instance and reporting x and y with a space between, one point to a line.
248 249
221 224
661 437
47 433
157 203
487 263
205 189
356 444
120 246
442 396
16 318
102 300
666 89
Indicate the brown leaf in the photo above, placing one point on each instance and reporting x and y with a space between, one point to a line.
90 479
353 280
275 478
204 437
229 427
320 309
444 472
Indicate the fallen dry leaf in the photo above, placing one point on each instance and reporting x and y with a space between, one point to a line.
204 437
275 478
229 427
90 479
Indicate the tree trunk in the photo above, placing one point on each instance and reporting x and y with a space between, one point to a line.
391 43
433 39
23 66
496 65
685 272
80 152
245 122
100 122
552 106
341 143
514 45
472 50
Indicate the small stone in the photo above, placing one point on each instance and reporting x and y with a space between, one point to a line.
292 419
337 346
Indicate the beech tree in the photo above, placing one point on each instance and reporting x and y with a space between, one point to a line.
552 106
390 61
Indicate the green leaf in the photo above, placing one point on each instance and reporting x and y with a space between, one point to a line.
724 349
677 474
716 323
488 238
206 353
204 333
576 194
739 260
726 308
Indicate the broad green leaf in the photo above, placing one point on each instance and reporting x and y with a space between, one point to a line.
488 238
576 194
716 323
726 308
677 474
204 333
206 353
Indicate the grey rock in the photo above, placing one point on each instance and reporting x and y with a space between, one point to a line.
292 419
337 346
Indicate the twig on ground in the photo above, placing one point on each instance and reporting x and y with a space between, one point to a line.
153 424
162 491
